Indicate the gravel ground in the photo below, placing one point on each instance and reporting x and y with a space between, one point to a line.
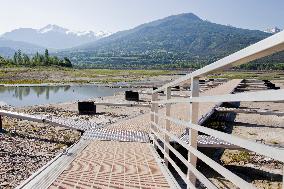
264 172
26 146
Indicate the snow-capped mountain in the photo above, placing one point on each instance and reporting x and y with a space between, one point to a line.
54 37
52 28
58 29
272 30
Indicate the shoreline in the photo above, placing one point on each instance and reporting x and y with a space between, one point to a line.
110 85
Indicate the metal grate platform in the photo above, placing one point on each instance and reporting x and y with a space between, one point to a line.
110 164
117 135
81 125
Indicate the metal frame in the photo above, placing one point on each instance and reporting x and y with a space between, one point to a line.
261 49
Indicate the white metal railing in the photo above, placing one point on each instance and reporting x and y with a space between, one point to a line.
163 133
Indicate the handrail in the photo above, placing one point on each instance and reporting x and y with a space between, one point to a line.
221 170
272 152
161 135
270 95
268 46
199 175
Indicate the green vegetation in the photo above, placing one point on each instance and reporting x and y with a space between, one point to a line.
109 72
25 81
20 59
39 75
235 156
238 74
262 66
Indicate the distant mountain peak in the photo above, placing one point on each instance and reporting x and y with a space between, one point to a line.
58 29
190 15
186 16
54 37
52 28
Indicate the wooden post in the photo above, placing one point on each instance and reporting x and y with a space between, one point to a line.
154 118
193 115
168 123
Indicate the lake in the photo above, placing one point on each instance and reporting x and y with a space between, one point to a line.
19 96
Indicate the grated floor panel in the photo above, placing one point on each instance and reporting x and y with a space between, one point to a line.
110 164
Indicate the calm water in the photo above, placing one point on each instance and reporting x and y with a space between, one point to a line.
35 95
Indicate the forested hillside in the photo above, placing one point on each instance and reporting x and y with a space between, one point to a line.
177 41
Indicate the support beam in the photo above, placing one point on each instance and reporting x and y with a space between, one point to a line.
260 96
154 118
1 129
168 123
193 115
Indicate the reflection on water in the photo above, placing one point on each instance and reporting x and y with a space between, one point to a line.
20 92
26 96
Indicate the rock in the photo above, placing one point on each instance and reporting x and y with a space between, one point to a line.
4 183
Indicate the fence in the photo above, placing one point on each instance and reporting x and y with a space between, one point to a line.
162 135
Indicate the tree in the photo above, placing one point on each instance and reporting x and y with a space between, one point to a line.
36 60
67 62
26 60
46 57
15 58
2 60
19 57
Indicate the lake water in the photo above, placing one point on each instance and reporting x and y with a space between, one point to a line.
35 95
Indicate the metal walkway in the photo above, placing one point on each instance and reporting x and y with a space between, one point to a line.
120 155
111 164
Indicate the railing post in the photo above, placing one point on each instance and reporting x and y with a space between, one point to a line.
1 124
283 178
154 118
193 115
168 123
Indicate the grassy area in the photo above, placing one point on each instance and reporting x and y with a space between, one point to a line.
235 156
18 75
269 75
105 72
25 81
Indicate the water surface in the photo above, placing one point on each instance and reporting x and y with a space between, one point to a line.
34 95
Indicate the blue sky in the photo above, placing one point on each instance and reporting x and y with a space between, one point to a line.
116 15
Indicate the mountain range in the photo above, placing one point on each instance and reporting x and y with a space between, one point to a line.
178 39
8 47
52 37
175 40
179 33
